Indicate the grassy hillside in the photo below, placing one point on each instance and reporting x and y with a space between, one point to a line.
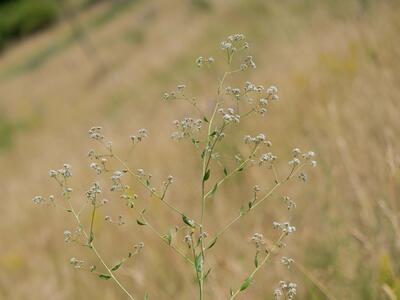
337 68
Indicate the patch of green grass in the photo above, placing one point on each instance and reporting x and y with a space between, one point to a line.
23 17
38 58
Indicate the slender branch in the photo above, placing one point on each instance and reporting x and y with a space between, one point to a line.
161 237
95 251
138 179
261 264
238 169
241 214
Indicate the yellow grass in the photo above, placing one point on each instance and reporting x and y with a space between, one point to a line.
336 64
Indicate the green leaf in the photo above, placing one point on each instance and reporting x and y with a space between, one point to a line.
168 237
198 263
213 133
140 222
214 189
250 204
203 154
225 171
245 284
241 169
205 119
187 221
91 238
105 276
146 296
212 243
208 272
117 266
207 175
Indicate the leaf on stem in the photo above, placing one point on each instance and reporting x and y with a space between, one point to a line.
117 266
104 276
206 175
188 221
212 243
140 222
245 284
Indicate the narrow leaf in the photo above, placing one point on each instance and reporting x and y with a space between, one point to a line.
256 259
140 222
146 296
104 276
245 284
208 272
198 263
117 266
214 189
168 237
205 119
187 221
212 243
91 238
225 171
206 175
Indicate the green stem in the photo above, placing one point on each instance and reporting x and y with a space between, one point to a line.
262 263
97 254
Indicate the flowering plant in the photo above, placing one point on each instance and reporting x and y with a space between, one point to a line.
231 107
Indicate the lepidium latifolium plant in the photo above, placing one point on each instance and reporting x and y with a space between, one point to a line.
190 239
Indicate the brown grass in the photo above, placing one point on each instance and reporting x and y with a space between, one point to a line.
337 66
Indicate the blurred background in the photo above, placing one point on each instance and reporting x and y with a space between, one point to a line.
68 65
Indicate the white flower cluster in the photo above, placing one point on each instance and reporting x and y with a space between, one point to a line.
285 227
116 181
258 139
308 156
204 61
41 200
234 42
142 134
248 63
251 87
186 128
287 261
258 240
95 133
287 290
229 115
235 92
64 172
76 263
175 94
92 193
290 203
267 159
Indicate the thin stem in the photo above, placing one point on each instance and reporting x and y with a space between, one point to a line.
161 237
261 264
160 197
93 248
238 168
241 214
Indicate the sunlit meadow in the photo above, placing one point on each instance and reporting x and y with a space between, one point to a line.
336 69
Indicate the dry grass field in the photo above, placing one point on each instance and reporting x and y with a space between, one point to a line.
337 67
